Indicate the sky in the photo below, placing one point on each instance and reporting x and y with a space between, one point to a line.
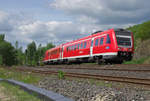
60 21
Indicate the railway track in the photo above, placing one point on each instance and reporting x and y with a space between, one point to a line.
122 67
108 69
132 80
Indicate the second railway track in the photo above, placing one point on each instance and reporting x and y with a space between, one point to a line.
122 67
133 80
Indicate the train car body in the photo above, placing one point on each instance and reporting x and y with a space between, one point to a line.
113 45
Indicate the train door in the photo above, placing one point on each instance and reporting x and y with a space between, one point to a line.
62 52
91 47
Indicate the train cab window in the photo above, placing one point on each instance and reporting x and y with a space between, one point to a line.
84 44
101 40
96 42
107 39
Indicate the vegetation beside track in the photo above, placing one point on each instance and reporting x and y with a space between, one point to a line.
139 61
142 39
27 77
14 93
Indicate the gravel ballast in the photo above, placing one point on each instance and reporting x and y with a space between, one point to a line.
84 90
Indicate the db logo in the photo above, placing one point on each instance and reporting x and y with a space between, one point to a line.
81 52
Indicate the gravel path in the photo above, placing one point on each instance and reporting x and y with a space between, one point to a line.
86 91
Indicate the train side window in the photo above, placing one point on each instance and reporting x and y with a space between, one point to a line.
48 53
101 40
107 39
70 48
74 47
84 44
96 42
92 43
78 46
81 45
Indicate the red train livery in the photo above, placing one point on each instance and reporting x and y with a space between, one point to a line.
111 46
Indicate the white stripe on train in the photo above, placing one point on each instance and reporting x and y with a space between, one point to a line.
109 53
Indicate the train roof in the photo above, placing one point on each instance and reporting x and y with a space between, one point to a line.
90 36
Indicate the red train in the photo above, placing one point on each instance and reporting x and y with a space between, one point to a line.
111 46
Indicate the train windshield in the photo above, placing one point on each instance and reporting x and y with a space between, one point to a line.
123 39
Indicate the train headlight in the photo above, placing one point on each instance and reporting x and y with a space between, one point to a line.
119 48
130 49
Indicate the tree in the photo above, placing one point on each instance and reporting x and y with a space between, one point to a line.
144 31
16 45
2 37
31 53
1 60
7 52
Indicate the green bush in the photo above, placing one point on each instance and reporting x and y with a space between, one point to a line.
1 60
139 61
141 31
61 75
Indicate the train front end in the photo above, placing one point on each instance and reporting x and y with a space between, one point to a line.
125 43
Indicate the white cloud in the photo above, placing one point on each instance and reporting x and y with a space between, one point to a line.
27 30
106 12
5 22
87 15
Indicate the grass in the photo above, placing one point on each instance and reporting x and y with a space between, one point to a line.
139 61
20 76
14 93
61 75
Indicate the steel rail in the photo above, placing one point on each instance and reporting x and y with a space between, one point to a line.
97 77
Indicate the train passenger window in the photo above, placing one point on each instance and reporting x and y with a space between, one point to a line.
96 42
84 44
72 47
107 39
48 53
81 45
78 45
92 43
101 40
75 46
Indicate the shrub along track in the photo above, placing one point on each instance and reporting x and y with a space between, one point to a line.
124 79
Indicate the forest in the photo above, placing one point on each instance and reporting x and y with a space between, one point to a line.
14 55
